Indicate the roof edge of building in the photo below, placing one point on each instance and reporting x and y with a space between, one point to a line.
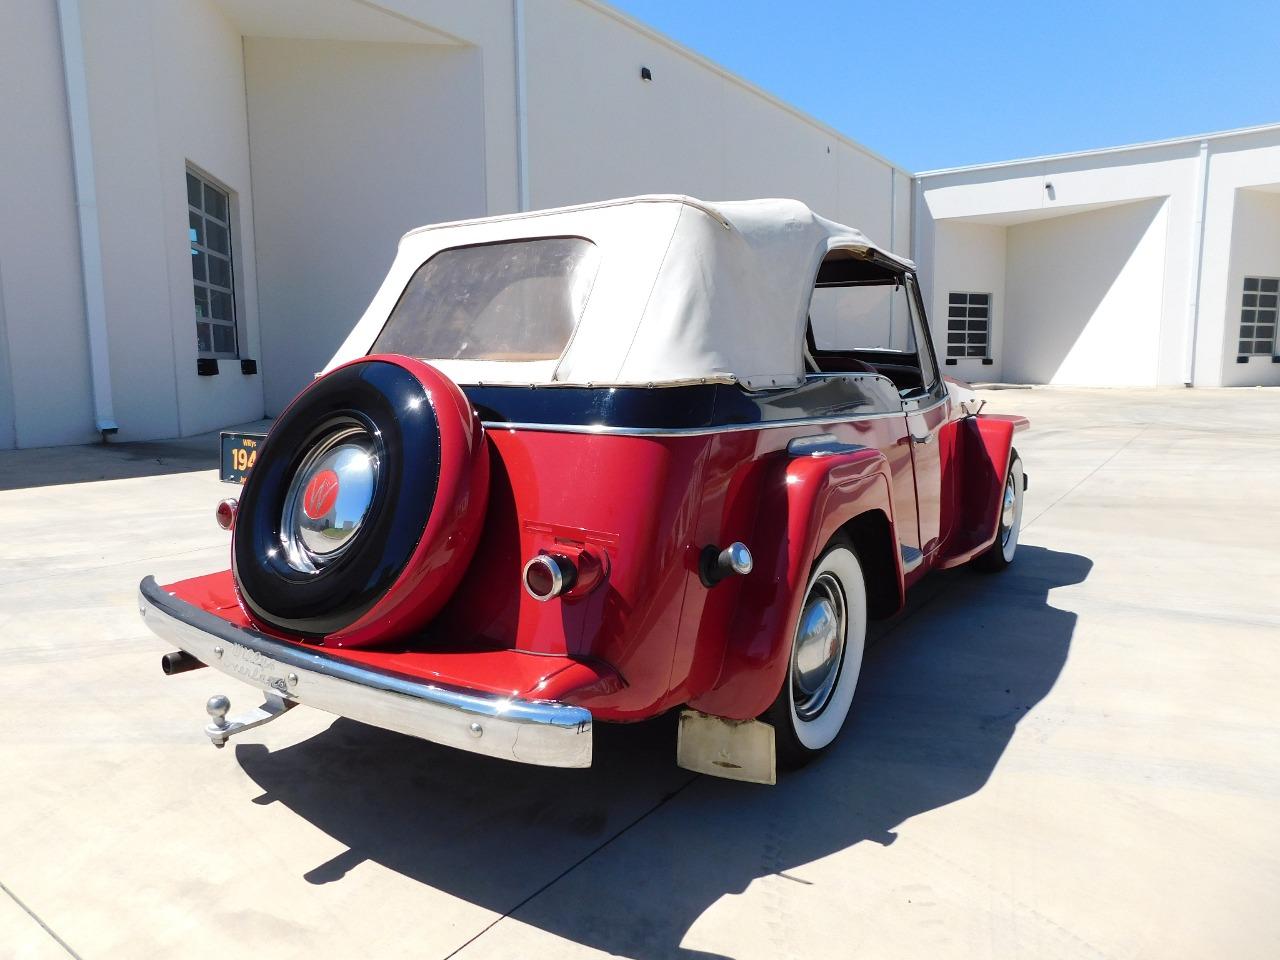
1102 151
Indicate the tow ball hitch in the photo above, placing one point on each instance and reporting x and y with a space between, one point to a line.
222 728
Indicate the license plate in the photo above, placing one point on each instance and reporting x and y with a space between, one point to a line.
239 454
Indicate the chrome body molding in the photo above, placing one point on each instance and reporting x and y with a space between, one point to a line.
603 430
821 445
528 731
911 558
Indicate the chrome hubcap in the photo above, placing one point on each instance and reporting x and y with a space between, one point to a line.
1008 511
329 497
819 647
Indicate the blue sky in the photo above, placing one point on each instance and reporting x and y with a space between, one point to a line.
939 84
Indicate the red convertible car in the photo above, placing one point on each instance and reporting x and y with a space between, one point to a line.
599 463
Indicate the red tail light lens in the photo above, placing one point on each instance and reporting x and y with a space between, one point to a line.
225 513
549 575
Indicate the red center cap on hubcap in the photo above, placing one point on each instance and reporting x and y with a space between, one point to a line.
321 494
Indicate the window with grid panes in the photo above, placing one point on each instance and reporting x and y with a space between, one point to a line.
209 217
1258 316
969 325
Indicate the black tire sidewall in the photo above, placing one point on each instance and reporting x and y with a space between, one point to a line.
390 403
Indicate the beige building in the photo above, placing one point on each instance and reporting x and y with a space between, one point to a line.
198 198
1149 265
206 193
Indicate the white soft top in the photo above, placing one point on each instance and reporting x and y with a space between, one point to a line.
686 291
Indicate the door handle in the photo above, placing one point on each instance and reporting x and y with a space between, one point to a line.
927 438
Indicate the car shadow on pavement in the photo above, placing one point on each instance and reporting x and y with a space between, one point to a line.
941 694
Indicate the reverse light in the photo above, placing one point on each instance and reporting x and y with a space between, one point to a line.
715 564
549 575
225 513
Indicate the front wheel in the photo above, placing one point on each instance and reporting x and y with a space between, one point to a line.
1000 554
826 658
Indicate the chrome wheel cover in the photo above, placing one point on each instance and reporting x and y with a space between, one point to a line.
329 498
1008 509
818 650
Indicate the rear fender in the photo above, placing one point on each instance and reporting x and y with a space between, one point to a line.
802 507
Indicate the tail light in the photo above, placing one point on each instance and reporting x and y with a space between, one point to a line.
225 513
549 575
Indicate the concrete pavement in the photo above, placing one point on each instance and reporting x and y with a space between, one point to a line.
1077 758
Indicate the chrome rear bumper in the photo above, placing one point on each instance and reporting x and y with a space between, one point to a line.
528 731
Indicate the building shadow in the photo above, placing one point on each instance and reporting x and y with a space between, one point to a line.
941 694
86 463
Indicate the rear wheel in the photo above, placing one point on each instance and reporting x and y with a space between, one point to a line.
826 658
1000 554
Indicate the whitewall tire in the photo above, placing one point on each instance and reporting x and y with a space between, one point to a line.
1001 552
826 658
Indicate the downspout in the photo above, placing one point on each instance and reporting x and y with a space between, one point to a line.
522 110
1197 262
95 300
893 233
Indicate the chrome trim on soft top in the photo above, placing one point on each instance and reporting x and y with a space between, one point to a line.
528 731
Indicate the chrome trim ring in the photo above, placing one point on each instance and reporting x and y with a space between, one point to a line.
1008 509
529 731
818 651
329 498
738 558
560 569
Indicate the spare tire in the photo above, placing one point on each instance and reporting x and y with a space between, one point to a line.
362 512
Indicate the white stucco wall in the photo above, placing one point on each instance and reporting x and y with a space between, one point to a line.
969 257
44 359
336 125
353 145
1028 198
1083 300
1255 252
1243 171
166 87
598 131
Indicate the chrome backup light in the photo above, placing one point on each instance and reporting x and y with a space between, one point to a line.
549 575
225 513
733 561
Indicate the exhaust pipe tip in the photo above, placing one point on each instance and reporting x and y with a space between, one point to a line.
179 662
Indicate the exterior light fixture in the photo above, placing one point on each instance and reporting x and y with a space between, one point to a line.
225 513
548 575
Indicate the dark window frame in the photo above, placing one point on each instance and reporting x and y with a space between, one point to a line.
214 199
968 330
1259 310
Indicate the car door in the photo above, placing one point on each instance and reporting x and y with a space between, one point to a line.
927 408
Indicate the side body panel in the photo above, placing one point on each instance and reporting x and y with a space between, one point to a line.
932 451
650 636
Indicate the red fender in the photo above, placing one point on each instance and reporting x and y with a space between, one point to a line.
813 497
453 530
984 444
